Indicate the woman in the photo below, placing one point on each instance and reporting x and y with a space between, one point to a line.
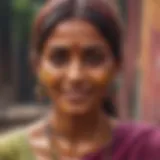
76 54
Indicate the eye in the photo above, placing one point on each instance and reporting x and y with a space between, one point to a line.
59 56
93 56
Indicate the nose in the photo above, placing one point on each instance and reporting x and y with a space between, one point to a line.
75 72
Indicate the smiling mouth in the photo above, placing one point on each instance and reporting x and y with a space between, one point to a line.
76 97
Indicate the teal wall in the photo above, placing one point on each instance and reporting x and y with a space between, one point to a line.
123 8
22 18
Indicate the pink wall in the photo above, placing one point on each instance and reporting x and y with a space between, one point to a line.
131 49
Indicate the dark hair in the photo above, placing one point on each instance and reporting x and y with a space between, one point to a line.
98 12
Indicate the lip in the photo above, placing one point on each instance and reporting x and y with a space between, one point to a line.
76 97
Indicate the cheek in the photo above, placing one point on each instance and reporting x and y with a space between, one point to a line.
47 75
102 77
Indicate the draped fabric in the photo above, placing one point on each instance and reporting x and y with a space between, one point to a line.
130 142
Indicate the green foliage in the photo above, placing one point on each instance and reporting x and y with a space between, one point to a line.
22 17
21 6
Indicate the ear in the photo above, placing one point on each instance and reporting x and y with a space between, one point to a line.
116 68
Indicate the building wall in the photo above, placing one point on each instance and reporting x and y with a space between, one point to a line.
5 54
150 62
127 96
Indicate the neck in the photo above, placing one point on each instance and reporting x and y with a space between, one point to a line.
78 127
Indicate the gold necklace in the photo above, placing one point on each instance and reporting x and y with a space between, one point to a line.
55 155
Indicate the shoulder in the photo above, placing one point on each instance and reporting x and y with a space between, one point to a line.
152 144
15 145
137 140
10 145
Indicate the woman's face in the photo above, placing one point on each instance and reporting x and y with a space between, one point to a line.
76 67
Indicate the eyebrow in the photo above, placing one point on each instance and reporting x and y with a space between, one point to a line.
59 45
84 45
94 46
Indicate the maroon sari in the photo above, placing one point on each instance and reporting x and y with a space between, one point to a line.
131 142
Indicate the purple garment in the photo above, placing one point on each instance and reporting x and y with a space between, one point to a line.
132 142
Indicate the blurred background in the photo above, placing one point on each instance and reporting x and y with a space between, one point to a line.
137 93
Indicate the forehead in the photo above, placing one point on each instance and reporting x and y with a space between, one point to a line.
76 31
